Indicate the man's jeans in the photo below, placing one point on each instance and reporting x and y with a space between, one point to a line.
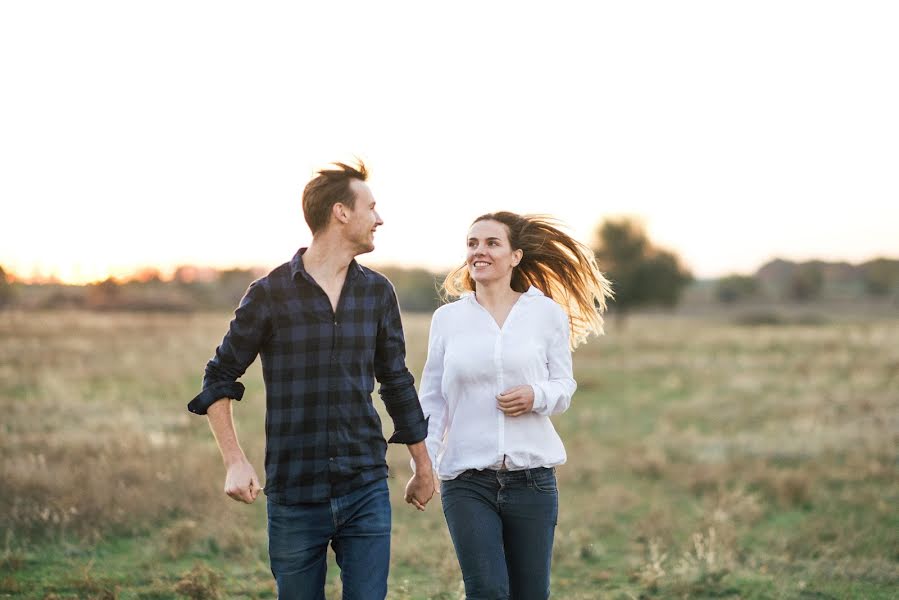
502 525
358 527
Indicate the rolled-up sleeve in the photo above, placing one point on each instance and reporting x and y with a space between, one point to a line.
249 329
397 383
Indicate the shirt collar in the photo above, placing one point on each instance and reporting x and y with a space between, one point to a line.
531 291
296 265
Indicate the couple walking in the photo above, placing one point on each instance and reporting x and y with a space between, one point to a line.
498 365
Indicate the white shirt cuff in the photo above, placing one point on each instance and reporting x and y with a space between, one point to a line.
539 399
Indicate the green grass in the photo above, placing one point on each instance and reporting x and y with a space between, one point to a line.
706 460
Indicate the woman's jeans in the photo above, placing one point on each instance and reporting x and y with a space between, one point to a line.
502 525
358 527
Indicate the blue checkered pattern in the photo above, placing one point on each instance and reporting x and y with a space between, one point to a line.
323 434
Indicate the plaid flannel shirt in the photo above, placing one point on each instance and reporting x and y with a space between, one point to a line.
323 434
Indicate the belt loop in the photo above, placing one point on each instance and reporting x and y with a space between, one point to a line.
529 476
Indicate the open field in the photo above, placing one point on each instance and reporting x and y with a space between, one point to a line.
706 459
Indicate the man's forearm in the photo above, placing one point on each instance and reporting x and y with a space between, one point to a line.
419 452
221 422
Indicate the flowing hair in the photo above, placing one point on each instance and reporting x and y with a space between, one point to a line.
561 267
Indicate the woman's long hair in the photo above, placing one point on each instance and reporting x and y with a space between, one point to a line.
561 267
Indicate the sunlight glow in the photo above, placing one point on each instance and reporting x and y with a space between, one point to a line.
121 152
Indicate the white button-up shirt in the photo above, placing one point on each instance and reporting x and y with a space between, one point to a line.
471 360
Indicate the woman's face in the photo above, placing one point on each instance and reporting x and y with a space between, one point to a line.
490 256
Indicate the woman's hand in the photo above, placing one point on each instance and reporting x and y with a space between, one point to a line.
516 401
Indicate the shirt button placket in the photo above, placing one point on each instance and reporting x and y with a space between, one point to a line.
332 398
501 417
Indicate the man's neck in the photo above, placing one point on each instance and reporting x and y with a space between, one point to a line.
327 257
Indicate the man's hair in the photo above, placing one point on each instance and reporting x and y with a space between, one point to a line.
327 188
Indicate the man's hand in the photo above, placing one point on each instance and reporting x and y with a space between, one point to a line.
241 482
420 489
516 401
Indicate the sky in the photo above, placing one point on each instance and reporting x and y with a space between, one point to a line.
167 133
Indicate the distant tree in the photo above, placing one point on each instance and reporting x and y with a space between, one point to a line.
416 289
641 273
147 275
240 277
231 285
880 276
105 294
6 291
185 275
806 282
734 288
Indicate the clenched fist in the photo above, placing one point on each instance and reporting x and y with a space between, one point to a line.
241 482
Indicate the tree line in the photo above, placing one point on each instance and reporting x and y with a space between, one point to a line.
642 275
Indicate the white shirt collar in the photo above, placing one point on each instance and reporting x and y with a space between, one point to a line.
531 291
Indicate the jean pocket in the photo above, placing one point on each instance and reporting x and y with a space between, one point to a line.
544 480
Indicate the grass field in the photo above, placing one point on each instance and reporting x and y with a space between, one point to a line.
706 460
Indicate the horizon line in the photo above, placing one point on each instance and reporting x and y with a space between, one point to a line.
206 272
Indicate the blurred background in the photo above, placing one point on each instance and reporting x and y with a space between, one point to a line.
733 167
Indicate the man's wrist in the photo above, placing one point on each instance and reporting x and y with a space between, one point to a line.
425 473
234 458
423 464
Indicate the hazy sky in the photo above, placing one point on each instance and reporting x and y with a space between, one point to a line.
165 133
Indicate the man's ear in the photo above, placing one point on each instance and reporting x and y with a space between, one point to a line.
339 212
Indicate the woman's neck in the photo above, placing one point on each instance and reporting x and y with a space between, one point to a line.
495 294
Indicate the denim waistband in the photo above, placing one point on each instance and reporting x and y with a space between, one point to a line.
509 475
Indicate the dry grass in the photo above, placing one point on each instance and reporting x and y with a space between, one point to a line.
705 459
200 583
95 436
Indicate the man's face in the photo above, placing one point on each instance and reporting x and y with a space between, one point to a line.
363 219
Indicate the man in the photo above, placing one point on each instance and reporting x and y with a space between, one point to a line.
324 327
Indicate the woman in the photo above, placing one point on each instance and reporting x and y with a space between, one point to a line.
499 364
